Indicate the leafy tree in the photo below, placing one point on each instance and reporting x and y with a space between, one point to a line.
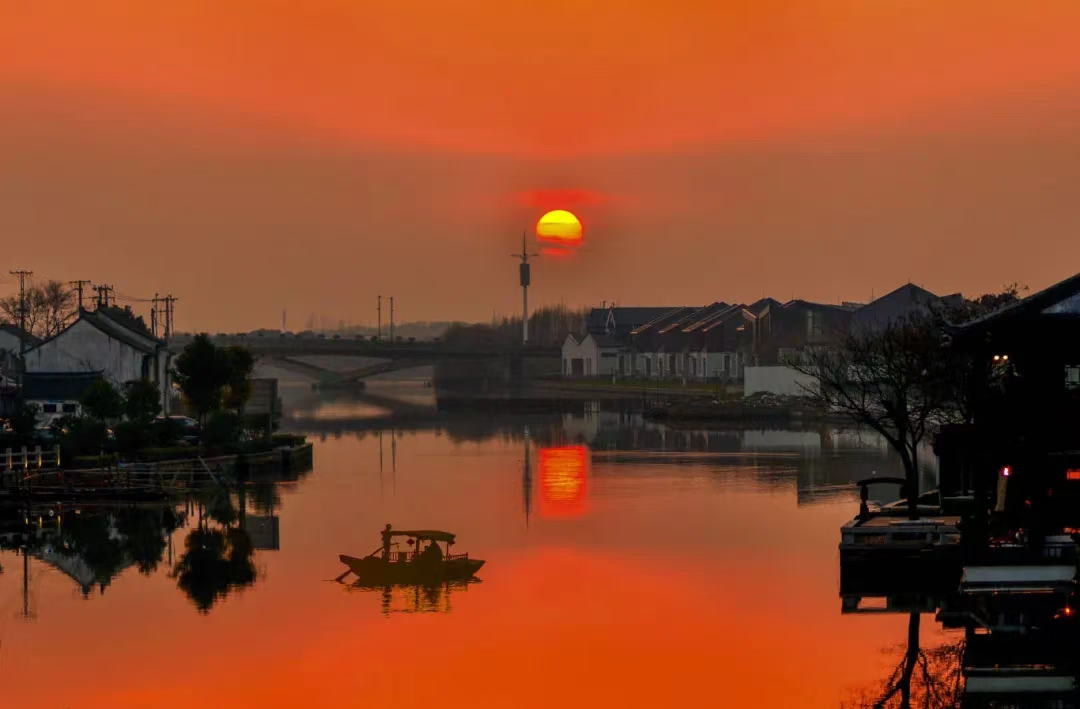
142 400
238 387
50 307
102 401
202 372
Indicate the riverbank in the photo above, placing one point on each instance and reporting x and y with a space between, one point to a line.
761 407
168 477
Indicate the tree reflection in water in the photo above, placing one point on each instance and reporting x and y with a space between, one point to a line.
215 562
922 678
218 555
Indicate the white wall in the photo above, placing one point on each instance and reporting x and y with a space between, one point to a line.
84 348
585 350
776 380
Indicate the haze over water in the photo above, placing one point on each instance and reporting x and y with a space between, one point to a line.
644 574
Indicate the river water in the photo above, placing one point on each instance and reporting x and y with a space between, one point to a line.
627 565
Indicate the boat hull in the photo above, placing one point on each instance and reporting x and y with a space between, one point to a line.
375 570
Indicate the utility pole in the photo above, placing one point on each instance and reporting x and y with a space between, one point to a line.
22 313
378 326
78 286
103 295
283 328
525 273
154 315
391 319
170 301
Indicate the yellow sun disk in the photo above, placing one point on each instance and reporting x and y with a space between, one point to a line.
559 225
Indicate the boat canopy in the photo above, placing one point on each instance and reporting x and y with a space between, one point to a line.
428 534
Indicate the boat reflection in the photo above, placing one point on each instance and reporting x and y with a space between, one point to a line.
414 598
564 473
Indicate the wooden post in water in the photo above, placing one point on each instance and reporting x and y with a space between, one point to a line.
25 459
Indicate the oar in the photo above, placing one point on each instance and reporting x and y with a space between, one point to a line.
341 578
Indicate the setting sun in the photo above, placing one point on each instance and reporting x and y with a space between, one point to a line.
559 226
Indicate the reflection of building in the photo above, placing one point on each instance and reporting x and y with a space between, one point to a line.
563 480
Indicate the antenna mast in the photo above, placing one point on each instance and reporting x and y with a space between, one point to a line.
524 271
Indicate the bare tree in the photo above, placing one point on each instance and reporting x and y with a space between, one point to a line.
897 379
49 308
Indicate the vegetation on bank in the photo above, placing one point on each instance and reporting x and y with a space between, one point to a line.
548 325
127 424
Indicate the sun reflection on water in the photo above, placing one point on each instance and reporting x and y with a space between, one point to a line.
563 480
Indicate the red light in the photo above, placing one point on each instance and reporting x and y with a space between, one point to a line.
1072 474
1006 471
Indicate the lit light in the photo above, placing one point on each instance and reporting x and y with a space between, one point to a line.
1006 471
997 358
1072 474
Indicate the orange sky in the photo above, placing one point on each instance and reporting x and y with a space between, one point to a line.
328 150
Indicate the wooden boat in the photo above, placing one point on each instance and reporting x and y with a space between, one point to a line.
416 566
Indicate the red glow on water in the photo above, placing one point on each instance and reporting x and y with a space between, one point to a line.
563 480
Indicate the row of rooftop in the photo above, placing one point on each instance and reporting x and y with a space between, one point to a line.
718 341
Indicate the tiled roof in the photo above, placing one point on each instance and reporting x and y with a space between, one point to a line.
632 317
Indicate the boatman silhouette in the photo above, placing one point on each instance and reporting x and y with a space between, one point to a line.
386 537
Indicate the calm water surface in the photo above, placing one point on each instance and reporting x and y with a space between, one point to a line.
626 566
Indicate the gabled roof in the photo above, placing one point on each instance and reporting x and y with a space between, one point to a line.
126 318
57 386
736 311
711 317
118 324
632 317
758 305
17 331
697 316
899 304
671 316
1061 300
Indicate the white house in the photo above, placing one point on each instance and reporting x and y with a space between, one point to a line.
592 356
108 341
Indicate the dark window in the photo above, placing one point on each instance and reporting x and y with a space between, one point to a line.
48 409
69 408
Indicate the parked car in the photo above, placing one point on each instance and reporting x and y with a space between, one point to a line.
190 430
